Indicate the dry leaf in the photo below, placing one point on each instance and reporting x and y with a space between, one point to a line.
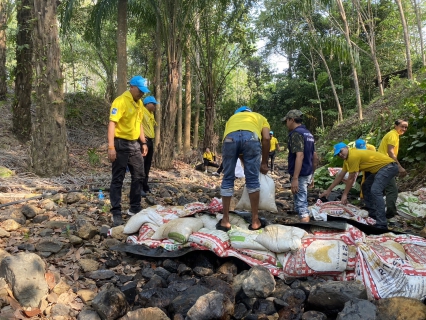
50 279
76 275
14 304
31 312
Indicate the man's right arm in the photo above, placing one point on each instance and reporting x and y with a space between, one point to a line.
336 181
111 148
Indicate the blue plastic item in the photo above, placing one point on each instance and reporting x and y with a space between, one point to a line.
101 195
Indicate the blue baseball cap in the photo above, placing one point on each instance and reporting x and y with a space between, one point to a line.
149 99
139 82
361 144
338 147
271 132
242 109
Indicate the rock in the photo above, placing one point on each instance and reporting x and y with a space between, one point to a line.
228 267
146 314
3 254
259 283
100 274
186 299
163 273
212 305
110 303
60 309
74 240
88 315
27 247
54 224
357 309
30 211
183 269
14 214
330 297
64 212
61 287
86 230
40 218
48 204
170 265
130 291
10 225
49 245
157 297
86 295
88 265
314 315
202 272
400 308
218 285
4 233
47 232
74 197
25 274
240 311
264 306
155 282
117 233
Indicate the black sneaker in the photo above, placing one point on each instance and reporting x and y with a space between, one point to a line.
117 220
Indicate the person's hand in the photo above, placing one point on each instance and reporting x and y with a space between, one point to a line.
402 172
325 194
294 186
344 199
112 155
264 168
144 150
312 184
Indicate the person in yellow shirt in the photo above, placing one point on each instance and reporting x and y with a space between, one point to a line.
275 147
148 123
362 145
382 169
209 159
246 133
389 146
125 136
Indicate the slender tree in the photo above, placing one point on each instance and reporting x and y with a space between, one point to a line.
418 11
188 100
179 109
49 150
406 40
122 47
5 10
21 119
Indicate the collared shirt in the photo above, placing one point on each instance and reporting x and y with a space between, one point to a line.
148 123
250 121
274 142
390 138
127 115
208 156
365 160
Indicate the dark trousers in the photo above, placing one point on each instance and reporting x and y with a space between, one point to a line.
220 168
373 188
272 157
391 192
208 163
128 155
147 160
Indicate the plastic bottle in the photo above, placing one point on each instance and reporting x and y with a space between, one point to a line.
101 195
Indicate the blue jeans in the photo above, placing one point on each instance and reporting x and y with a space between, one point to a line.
373 188
246 143
301 198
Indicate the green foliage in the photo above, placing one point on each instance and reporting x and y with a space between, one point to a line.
94 158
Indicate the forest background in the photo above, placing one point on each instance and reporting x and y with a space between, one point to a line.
345 61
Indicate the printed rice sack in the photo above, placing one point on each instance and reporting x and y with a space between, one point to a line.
178 229
264 256
278 238
215 240
209 221
235 220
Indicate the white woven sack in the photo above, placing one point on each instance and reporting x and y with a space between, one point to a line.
279 238
266 197
178 229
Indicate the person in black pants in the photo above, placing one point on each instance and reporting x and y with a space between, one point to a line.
148 123
125 133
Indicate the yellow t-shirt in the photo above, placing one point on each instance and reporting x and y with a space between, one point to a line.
392 138
250 121
365 160
208 155
127 115
148 123
370 147
274 142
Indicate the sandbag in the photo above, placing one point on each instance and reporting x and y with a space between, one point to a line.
178 229
266 197
278 238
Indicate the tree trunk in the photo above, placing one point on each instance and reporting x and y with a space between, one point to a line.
406 40
3 87
418 12
49 150
197 92
157 83
21 120
122 47
354 71
187 125
179 110
314 77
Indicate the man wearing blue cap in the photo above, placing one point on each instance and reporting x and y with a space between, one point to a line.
125 133
302 161
148 123
246 133
381 168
